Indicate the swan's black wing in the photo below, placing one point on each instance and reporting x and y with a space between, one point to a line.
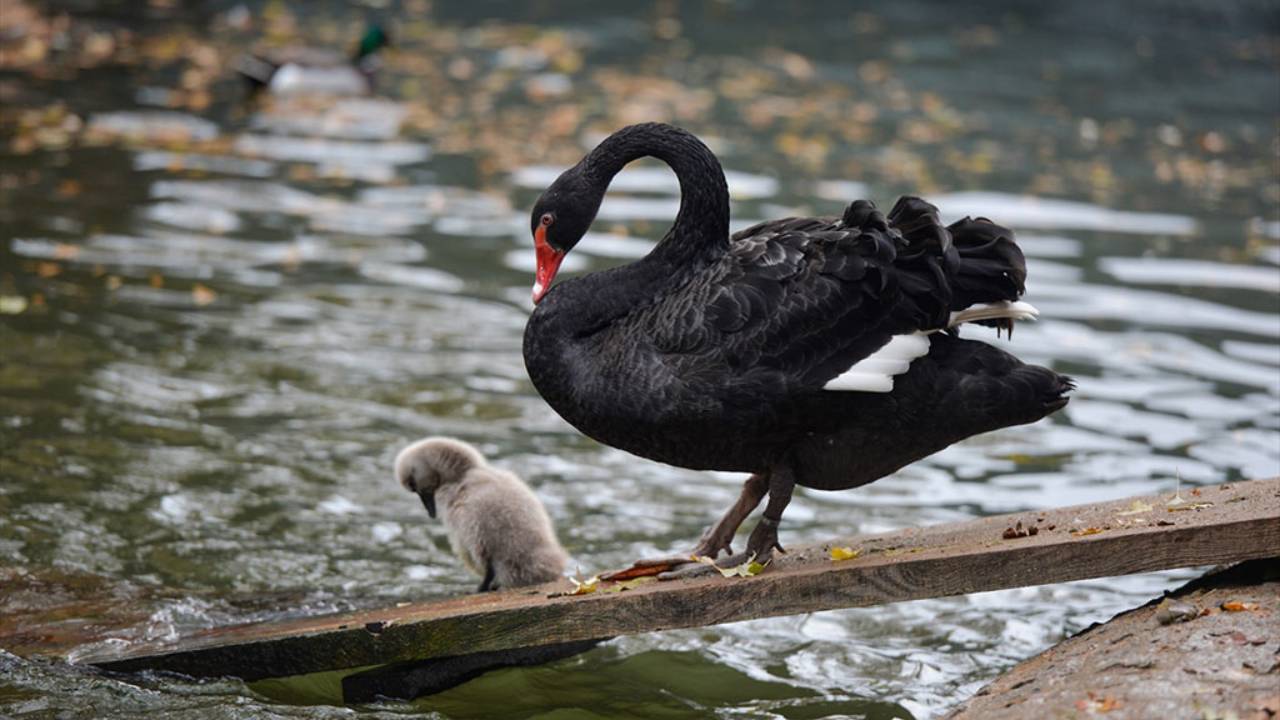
796 302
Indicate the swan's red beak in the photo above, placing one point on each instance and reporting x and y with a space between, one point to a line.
549 260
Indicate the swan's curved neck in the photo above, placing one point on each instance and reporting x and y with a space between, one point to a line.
701 228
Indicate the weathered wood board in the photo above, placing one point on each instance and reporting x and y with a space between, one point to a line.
1219 524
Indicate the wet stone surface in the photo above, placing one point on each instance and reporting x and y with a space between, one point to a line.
1221 659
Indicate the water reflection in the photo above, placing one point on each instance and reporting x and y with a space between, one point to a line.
231 317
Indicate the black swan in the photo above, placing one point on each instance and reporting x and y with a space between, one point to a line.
820 352
497 526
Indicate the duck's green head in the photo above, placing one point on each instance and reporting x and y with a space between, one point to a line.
375 38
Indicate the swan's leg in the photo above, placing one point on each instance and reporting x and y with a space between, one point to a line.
716 538
720 536
764 539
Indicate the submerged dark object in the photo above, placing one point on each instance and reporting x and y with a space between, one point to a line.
814 351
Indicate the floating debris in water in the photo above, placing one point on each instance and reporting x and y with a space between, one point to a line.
12 304
154 126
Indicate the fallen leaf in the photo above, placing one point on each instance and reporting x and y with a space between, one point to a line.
1190 506
1098 705
639 571
202 295
630 584
585 587
12 304
1081 532
844 553
1237 606
746 569
1138 507
1172 611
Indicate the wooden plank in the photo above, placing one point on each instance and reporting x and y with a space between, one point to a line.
1181 656
1220 524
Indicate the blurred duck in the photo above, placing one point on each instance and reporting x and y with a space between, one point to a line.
496 525
318 71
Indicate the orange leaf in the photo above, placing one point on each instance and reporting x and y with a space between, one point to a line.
202 295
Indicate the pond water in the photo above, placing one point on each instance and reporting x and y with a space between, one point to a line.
219 322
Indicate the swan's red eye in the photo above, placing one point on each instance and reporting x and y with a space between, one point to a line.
546 219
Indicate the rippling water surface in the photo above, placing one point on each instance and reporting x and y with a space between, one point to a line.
218 323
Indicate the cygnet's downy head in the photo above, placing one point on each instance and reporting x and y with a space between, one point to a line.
426 465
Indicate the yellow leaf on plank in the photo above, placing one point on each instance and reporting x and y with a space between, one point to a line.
584 587
1138 507
844 553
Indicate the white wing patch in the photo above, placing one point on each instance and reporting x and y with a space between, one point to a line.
875 372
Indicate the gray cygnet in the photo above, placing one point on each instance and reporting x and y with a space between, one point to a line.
496 525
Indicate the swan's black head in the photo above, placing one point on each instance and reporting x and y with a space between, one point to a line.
559 220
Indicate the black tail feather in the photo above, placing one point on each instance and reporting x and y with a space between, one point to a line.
928 257
946 268
992 266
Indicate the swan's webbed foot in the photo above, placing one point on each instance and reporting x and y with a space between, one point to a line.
717 538
764 540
